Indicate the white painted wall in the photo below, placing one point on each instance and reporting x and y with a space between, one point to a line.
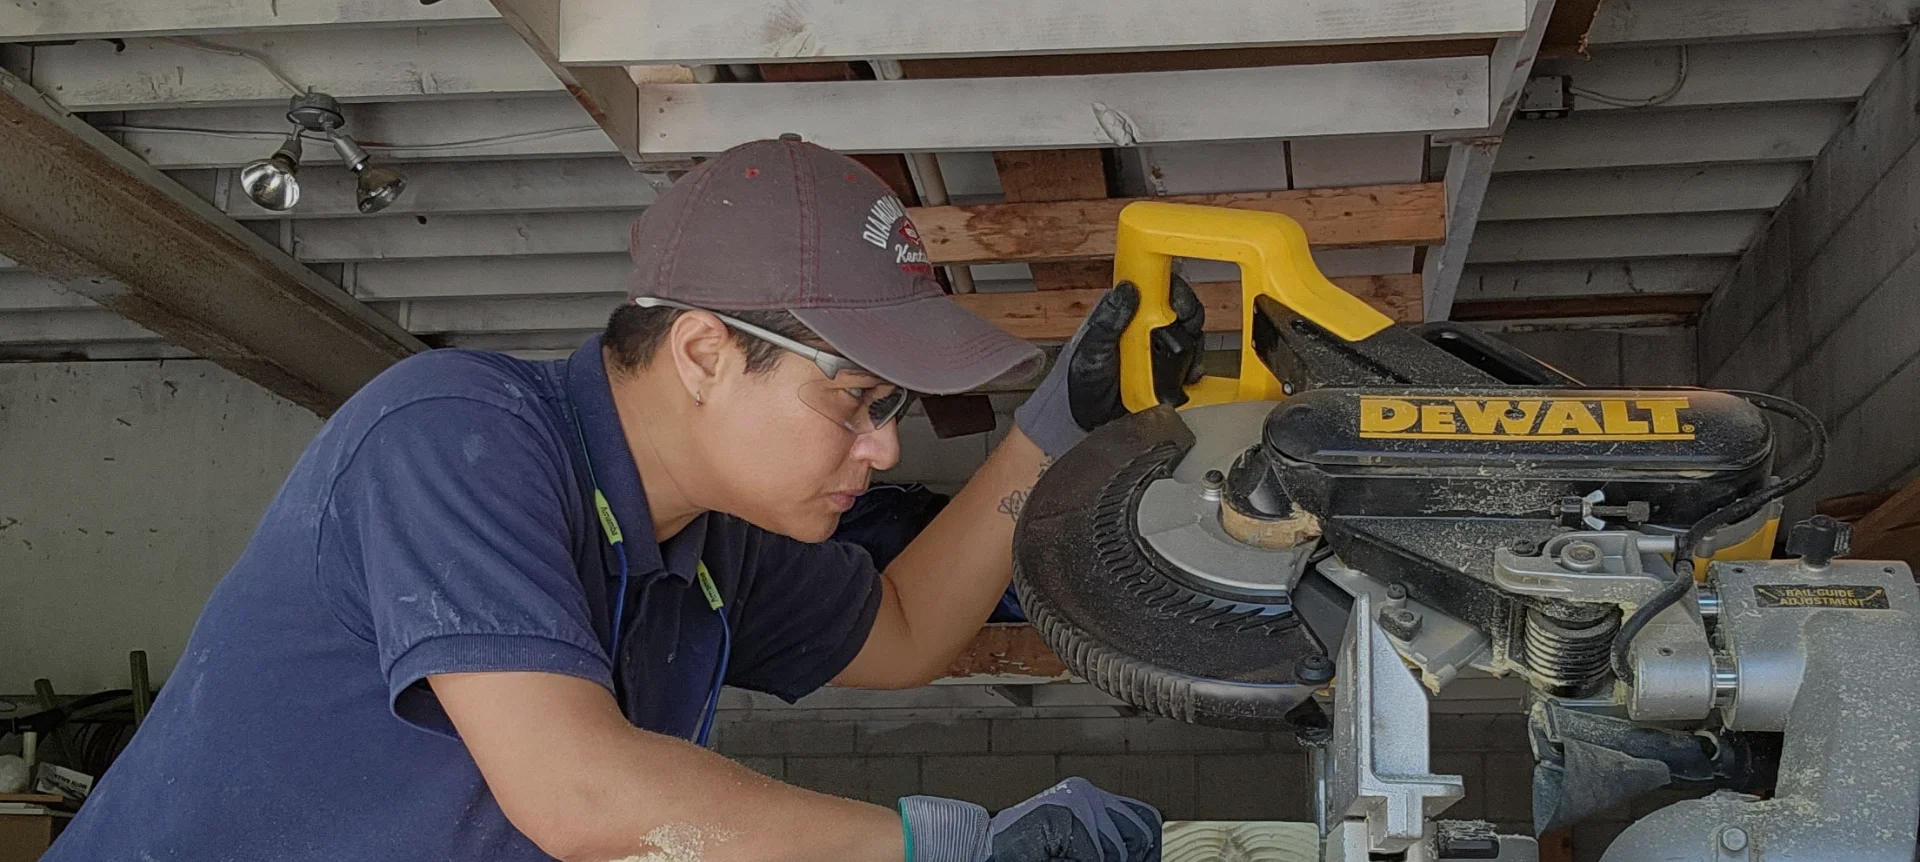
126 491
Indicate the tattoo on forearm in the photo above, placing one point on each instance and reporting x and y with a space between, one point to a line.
1013 504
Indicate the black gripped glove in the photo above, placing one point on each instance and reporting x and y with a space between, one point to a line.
1073 821
1082 392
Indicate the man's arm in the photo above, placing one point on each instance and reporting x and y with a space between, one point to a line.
945 583
586 786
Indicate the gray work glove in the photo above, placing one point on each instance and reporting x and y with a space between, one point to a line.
1082 392
1073 821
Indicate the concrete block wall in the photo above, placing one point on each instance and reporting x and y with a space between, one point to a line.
1825 305
998 746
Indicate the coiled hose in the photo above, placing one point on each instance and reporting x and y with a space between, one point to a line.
1732 513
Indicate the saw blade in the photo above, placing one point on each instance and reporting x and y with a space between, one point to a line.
1116 613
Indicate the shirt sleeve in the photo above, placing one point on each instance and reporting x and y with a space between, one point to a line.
804 613
455 512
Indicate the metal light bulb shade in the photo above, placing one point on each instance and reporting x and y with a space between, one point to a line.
271 182
378 188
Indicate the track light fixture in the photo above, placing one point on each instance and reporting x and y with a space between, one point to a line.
272 182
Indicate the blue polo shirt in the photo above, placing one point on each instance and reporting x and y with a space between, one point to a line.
442 522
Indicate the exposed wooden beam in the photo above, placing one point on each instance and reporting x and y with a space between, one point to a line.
88 214
1069 112
608 95
397 64
30 291
61 21
642 32
68 326
1472 158
1836 69
1033 176
1672 21
982 233
1078 230
1772 133
1593 277
1892 530
1639 191
551 124
1698 235
1043 65
1685 305
1053 315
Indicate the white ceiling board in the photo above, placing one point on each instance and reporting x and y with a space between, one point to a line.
645 32
1614 139
1592 278
1375 161
394 64
56 20
1622 21
1639 191
1072 111
492 277
458 188
26 291
548 125
1710 234
69 326
509 315
366 239
970 178
1198 169
1729 73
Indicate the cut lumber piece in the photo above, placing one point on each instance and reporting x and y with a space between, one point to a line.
1078 230
1001 651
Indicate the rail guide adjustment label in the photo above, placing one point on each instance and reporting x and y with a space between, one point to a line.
1845 596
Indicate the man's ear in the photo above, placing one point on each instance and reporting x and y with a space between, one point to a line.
701 350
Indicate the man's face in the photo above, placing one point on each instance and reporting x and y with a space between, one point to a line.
780 462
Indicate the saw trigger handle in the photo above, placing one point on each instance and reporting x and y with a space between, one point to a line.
1271 250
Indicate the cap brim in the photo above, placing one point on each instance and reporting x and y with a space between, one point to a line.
928 345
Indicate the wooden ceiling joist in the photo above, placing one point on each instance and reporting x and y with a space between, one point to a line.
1446 94
1049 65
121 19
644 32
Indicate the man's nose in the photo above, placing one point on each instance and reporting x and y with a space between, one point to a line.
880 448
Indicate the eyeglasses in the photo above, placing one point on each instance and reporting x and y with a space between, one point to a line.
860 407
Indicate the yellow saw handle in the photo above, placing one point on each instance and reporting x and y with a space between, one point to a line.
1271 250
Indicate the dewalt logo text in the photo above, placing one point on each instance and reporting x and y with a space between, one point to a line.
1581 419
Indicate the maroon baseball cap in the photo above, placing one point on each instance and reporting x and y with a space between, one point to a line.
793 226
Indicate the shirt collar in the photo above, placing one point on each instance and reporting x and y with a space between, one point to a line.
590 397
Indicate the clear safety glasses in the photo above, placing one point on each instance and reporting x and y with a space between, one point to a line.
861 405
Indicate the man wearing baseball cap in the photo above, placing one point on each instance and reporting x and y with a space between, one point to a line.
489 614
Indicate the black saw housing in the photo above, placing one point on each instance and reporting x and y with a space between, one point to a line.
1422 450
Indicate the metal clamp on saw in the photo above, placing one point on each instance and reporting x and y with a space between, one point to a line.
1435 500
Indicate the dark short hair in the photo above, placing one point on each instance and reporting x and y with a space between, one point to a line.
635 334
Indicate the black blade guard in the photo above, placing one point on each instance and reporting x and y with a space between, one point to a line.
1100 597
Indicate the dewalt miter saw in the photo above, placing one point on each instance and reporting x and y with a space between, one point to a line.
1372 507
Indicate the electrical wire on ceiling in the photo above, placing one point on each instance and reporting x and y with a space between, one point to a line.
242 53
1661 98
243 134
